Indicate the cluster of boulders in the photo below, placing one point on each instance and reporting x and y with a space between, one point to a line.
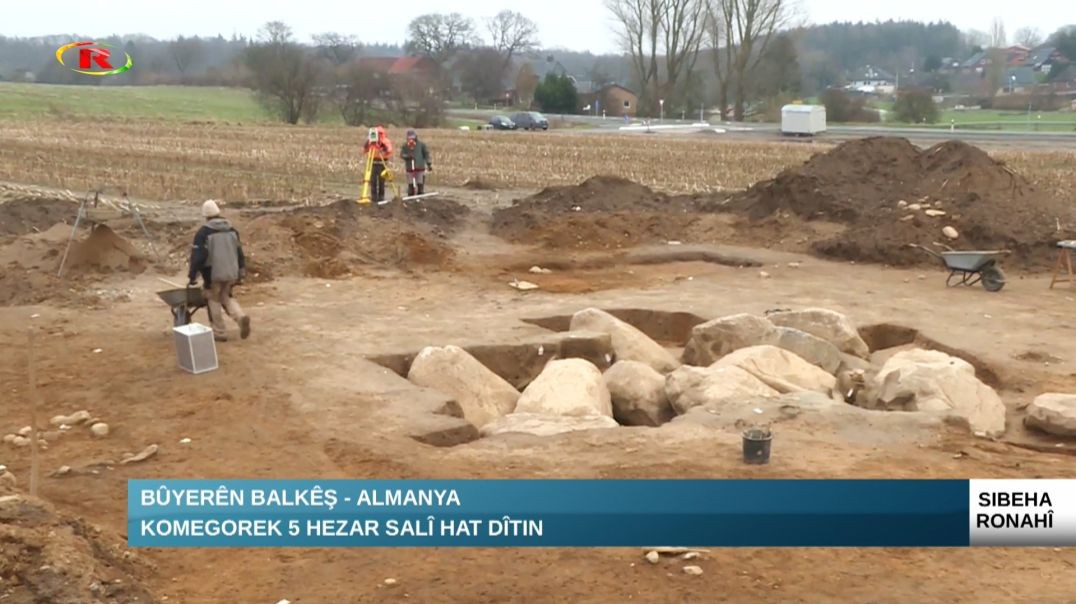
924 205
61 424
726 361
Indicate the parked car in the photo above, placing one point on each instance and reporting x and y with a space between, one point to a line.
531 120
500 122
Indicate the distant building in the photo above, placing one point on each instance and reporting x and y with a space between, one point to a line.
1045 58
1016 55
613 99
977 62
23 74
399 66
872 80
388 71
1019 79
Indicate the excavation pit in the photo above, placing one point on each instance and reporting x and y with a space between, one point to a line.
470 375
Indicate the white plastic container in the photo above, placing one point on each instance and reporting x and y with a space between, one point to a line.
195 348
803 120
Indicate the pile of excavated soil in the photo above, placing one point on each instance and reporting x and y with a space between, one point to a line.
48 557
332 241
600 213
863 183
29 265
23 215
105 251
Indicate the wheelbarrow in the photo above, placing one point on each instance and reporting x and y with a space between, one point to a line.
184 302
970 268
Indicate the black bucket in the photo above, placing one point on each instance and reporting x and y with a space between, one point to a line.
756 446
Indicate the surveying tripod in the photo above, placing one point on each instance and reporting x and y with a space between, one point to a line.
374 156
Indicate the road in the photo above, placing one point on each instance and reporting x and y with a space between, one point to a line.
759 131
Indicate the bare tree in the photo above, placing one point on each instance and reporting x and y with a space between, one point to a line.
512 34
526 84
284 74
720 24
481 73
1028 36
440 36
639 31
336 48
683 30
743 29
185 52
360 87
275 33
652 31
975 37
997 33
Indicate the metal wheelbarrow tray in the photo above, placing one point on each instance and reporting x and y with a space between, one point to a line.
971 268
184 302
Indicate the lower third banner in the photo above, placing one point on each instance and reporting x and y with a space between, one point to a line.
546 513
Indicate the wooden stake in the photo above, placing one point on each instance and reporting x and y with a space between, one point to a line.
35 466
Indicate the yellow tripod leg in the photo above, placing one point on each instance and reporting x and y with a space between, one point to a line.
367 174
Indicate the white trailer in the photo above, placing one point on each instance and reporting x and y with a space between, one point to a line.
803 120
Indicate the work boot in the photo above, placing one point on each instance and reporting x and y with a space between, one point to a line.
220 337
244 327
421 188
410 190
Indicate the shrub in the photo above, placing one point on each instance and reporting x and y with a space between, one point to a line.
916 107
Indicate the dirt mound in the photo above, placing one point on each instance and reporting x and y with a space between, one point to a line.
437 212
24 215
29 265
601 212
105 251
883 189
333 241
47 557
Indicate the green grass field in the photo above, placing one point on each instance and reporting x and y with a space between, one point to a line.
990 119
1010 120
165 103
172 103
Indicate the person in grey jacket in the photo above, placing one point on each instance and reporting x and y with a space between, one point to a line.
217 256
417 161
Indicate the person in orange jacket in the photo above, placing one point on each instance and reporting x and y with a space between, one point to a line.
382 149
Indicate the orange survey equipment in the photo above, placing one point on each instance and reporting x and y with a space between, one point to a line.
376 173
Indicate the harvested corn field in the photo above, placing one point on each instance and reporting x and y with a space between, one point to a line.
280 163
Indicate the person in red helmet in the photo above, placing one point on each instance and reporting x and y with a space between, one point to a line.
382 148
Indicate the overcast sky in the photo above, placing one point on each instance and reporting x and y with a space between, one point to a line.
574 24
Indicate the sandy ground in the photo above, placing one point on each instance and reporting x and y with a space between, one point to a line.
299 400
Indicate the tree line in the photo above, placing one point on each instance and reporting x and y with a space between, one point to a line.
678 55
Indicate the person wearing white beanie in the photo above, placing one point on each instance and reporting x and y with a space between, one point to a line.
217 256
210 209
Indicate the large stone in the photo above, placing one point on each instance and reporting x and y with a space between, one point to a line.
638 394
780 369
1053 413
829 325
690 387
812 349
714 339
928 380
569 387
629 343
482 395
545 425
